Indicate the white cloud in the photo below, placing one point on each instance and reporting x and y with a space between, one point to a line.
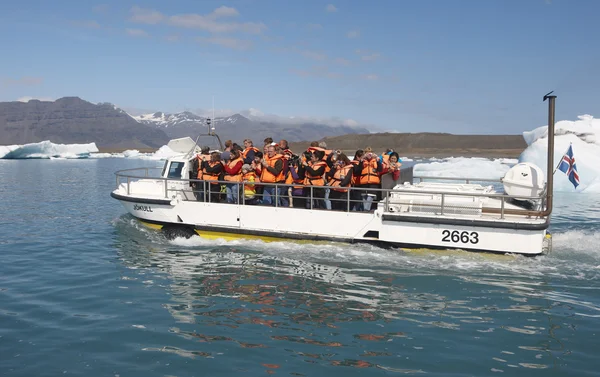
100 8
171 38
233 43
210 22
314 55
353 34
88 24
145 16
256 114
23 81
29 98
316 71
136 33
224 11
314 27
371 77
368 56
342 61
330 8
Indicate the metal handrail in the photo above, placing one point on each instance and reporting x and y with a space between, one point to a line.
421 178
385 193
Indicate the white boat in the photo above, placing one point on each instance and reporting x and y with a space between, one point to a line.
450 213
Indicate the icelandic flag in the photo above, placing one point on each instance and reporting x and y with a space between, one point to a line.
567 166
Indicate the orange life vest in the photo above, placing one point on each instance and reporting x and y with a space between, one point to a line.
311 180
250 178
245 152
210 176
266 176
339 175
201 158
289 180
234 177
385 161
369 174
355 178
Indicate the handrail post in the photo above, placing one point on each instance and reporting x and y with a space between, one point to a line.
502 208
128 181
166 189
276 194
386 206
442 205
348 199
311 196
243 194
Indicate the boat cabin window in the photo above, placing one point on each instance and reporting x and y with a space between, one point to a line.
175 169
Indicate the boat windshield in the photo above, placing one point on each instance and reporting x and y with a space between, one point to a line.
175 169
213 142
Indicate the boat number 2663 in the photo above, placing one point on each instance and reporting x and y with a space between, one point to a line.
458 236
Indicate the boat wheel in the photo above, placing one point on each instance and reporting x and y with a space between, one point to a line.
174 231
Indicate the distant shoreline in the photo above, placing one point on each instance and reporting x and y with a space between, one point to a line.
409 145
411 153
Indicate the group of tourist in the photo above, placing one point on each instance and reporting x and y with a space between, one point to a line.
318 173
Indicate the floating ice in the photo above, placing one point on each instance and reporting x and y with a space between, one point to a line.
583 135
463 167
47 150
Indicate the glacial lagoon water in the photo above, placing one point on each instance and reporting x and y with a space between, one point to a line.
85 290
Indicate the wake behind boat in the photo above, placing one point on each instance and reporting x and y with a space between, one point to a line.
452 214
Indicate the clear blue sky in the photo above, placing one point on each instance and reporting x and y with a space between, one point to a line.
462 66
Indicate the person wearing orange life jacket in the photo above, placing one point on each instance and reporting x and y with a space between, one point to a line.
314 182
256 165
211 172
392 166
340 177
285 146
294 177
196 173
367 172
272 172
233 175
249 178
355 195
249 151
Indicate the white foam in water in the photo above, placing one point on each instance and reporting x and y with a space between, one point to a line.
583 135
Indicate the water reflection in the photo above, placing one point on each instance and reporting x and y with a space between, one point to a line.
343 315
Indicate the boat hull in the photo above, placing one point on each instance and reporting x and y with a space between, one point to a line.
228 221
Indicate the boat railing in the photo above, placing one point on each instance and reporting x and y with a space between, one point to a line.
438 202
422 178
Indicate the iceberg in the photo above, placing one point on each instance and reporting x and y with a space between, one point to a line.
464 167
583 134
47 150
